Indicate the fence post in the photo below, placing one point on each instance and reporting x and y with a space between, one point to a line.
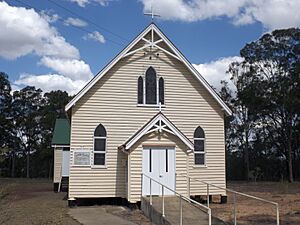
277 214
163 201
234 211
207 195
180 208
150 191
209 216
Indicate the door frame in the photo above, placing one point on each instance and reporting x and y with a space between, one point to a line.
158 146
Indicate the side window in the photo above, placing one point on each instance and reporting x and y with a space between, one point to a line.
140 90
99 145
199 146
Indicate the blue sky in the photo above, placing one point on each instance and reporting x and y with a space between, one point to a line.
51 48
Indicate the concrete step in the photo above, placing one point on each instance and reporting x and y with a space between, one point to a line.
192 213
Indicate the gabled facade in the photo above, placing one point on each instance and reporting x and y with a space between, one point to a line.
148 111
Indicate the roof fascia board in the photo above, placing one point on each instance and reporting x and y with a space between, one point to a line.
151 124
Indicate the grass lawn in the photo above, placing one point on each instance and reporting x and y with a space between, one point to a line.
255 212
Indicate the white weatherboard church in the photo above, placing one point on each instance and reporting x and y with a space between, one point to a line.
147 112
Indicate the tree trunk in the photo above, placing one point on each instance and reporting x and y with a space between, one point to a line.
246 157
27 164
12 174
290 163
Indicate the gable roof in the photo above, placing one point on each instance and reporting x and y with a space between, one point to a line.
158 123
175 53
61 133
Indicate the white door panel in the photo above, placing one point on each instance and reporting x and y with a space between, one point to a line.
159 164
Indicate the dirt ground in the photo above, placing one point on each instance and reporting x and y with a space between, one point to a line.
33 202
256 212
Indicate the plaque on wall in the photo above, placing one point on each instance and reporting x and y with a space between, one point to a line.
82 158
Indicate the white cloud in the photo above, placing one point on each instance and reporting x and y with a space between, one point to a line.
49 82
71 68
96 36
215 71
75 22
83 3
271 13
23 31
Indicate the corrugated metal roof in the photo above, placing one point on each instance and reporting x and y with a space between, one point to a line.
61 134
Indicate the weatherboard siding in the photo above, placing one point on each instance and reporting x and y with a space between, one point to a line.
112 101
57 164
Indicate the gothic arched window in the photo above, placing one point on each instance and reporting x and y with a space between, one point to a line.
199 146
99 145
151 86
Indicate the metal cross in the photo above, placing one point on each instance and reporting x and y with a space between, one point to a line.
152 14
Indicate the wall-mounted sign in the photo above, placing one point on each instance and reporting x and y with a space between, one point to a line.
82 158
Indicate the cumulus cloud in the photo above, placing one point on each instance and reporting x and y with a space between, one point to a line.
272 14
24 31
96 36
75 22
49 82
49 16
215 71
71 68
83 3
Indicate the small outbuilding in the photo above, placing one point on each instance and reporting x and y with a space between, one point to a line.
61 147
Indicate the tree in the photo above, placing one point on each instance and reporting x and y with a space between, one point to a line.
27 106
268 86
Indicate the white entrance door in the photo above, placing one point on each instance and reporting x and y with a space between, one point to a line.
159 164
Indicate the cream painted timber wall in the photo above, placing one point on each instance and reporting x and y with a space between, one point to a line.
57 164
112 101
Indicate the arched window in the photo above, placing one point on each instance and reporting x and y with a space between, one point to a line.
151 86
99 145
150 90
199 146
140 90
161 91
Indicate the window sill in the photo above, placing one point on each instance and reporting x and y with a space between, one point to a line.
150 105
98 167
199 166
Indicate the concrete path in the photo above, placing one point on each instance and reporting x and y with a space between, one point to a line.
96 215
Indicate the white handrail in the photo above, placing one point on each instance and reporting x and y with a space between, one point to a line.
236 192
181 197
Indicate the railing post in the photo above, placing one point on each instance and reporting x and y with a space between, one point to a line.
189 186
277 214
209 216
234 211
180 208
163 202
207 194
150 191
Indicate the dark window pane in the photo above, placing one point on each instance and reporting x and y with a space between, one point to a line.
140 90
66 148
99 145
199 145
199 159
151 86
199 133
99 159
150 160
100 131
161 91
167 160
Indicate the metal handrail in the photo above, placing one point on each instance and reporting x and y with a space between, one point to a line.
181 197
235 193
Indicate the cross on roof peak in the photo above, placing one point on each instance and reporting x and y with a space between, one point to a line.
152 14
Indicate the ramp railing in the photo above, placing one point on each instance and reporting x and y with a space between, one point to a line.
181 198
235 193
